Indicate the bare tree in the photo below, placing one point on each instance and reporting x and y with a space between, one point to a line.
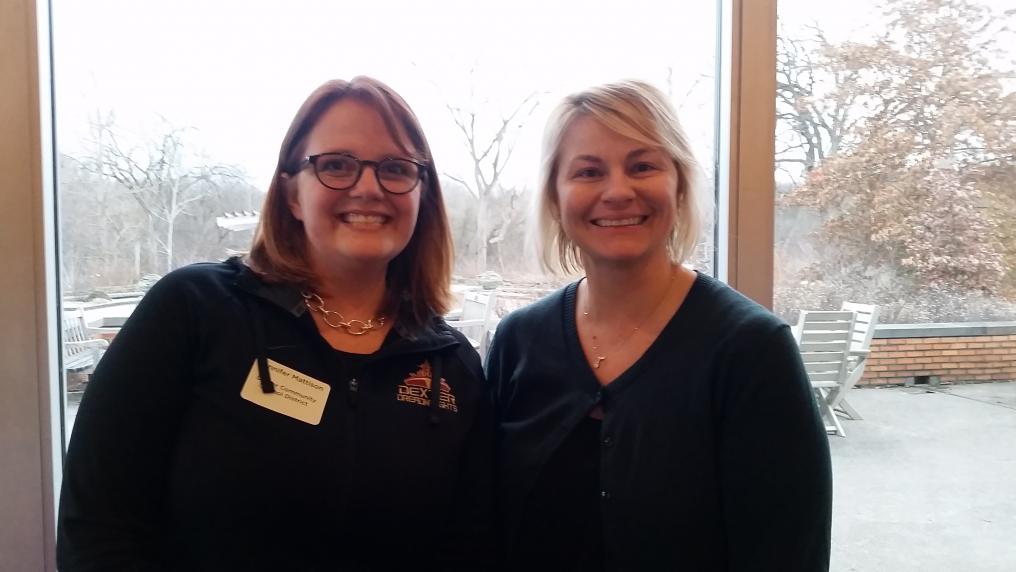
99 230
817 97
511 210
490 156
157 179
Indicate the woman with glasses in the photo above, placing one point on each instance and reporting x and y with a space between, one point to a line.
651 418
304 407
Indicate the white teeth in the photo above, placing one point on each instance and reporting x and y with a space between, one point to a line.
619 222
362 218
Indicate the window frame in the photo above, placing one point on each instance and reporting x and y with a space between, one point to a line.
747 186
31 410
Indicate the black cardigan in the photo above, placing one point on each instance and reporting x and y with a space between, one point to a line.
713 457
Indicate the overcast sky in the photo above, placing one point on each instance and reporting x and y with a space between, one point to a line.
235 71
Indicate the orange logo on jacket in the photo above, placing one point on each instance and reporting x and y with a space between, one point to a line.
416 389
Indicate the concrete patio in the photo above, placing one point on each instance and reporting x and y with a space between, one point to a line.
927 481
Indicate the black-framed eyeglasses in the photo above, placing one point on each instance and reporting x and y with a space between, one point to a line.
340 171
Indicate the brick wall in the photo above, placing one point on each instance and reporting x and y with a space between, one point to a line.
953 359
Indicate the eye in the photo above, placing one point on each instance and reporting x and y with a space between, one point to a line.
337 165
396 168
644 168
588 173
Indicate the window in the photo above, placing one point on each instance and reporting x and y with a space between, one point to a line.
169 122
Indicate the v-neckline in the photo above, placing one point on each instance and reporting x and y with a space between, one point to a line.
630 373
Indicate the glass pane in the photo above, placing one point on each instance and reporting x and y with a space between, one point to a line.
895 171
894 159
170 117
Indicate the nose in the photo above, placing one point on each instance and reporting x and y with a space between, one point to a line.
619 188
367 187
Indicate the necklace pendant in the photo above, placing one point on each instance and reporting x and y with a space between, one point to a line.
599 359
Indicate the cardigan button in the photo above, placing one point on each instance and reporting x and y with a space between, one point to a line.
608 441
605 495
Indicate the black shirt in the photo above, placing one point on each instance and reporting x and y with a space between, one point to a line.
561 524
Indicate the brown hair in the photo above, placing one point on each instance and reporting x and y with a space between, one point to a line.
418 277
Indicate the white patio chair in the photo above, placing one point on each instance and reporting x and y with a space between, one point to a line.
824 340
866 318
478 318
81 351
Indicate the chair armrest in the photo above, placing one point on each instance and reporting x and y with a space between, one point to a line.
97 343
857 357
465 323
824 384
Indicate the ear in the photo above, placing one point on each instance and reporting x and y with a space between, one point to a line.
288 186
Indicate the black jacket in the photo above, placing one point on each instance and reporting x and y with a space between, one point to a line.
713 456
168 467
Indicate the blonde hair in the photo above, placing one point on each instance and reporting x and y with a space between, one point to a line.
636 110
418 279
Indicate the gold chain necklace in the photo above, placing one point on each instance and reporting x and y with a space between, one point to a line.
599 359
336 320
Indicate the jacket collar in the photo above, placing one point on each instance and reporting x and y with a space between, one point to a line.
285 296
435 336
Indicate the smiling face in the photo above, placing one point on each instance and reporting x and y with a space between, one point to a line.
617 198
363 226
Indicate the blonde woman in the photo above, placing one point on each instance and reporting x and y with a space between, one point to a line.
651 418
305 408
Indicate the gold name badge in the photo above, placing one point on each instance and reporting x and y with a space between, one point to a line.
296 395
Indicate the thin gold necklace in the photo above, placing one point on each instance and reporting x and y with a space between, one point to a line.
338 321
598 358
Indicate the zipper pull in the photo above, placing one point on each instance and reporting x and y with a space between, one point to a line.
354 387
